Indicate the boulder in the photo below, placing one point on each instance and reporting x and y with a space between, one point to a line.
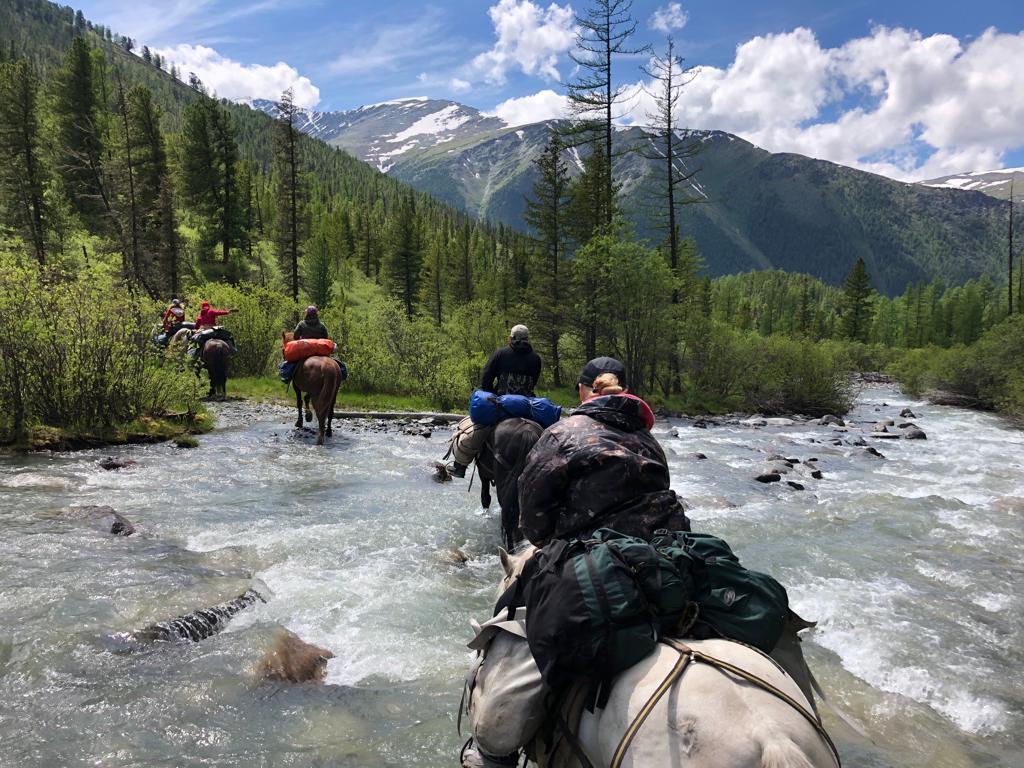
794 486
293 660
860 442
700 424
769 477
110 463
885 435
779 421
906 413
816 474
830 420
874 452
106 518
755 422
698 456
914 433
906 424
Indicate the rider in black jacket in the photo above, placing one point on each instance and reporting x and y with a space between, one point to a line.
513 370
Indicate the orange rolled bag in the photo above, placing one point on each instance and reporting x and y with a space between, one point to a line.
303 348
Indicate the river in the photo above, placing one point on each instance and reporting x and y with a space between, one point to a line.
910 563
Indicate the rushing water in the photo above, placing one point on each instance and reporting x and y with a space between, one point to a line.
909 563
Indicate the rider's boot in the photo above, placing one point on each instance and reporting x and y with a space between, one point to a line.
474 757
457 469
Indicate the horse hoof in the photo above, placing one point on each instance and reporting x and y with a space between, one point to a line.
309 415
329 433
298 423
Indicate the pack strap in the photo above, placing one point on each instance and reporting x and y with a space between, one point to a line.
686 651
627 738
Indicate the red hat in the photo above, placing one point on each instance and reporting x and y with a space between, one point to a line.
206 305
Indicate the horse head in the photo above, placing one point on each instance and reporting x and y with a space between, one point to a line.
512 564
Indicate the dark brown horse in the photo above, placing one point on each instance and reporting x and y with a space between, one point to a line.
215 358
501 462
319 378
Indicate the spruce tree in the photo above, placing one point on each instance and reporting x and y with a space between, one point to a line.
857 303
21 168
78 135
545 214
290 193
403 258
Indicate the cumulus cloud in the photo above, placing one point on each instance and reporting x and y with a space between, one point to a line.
458 85
530 39
233 80
893 102
668 18
535 108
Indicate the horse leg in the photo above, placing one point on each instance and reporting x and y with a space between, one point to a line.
330 413
298 406
309 413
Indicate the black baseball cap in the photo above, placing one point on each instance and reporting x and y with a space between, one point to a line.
600 365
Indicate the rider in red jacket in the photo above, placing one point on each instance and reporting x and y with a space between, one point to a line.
208 316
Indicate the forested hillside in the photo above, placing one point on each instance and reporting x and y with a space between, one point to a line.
757 210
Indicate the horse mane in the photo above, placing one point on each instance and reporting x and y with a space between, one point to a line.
513 563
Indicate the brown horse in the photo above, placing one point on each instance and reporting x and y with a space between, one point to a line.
215 357
501 462
319 377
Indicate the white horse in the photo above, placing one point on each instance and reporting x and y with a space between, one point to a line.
689 704
177 347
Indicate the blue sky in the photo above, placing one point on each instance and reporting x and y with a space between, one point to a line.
908 88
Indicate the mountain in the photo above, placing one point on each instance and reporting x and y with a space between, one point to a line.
994 183
756 209
383 134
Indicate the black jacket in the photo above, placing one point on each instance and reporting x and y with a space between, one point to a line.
512 370
601 467
311 330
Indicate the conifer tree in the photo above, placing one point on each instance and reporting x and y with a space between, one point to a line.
403 259
594 98
21 168
318 259
545 214
290 193
76 110
857 302
432 288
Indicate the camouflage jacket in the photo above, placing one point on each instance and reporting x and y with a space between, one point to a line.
599 468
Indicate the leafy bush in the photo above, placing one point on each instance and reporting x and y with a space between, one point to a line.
76 353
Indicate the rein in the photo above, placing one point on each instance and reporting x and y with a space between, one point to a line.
688 655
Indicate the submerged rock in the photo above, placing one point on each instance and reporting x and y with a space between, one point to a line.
906 413
197 625
107 518
769 477
111 464
794 485
293 660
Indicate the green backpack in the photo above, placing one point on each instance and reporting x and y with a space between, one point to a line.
733 602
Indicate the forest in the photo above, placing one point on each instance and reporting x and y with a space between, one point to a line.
124 183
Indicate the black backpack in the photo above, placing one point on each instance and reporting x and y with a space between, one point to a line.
596 605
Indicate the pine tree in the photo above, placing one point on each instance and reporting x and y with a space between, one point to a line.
403 259
857 302
21 168
317 261
76 110
154 194
588 209
545 214
290 192
432 287
603 34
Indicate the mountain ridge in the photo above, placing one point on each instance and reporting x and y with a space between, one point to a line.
757 209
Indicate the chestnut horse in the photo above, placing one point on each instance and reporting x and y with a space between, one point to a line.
319 378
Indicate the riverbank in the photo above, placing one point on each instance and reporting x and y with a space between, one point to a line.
142 431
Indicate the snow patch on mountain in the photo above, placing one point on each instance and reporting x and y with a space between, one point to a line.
447 119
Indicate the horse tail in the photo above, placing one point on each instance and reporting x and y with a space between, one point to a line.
780 752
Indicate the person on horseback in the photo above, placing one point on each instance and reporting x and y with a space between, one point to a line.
512 370
205 327
173 317
599 468
311 327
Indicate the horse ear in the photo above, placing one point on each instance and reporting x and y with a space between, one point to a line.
506 561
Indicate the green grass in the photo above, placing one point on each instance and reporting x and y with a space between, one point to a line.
268 389
145 429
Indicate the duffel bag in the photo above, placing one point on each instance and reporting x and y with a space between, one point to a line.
487 409
303 348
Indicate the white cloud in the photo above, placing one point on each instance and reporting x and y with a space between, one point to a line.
893 102
668 18
233 80
530 39
545 105
458 85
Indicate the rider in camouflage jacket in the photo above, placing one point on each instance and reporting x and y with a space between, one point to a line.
599 468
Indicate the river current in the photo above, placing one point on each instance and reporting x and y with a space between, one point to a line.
910 564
